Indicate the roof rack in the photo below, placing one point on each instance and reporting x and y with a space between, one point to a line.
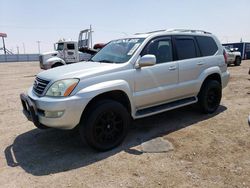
188 31
177 30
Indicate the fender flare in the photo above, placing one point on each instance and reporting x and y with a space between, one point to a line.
94 90
51 61
205 74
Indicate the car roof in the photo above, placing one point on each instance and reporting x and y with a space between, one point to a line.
190 32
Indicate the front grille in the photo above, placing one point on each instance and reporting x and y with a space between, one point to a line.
40 85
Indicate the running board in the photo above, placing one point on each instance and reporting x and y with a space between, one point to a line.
165 107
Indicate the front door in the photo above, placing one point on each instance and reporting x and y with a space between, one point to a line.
70 53
156 84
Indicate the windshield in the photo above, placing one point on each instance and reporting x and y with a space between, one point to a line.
59 46
118 51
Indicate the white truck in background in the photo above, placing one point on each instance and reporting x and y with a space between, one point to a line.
68 51
233 56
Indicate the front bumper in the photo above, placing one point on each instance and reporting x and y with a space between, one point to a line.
45 66
34 108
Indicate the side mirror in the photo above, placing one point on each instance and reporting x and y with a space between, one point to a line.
146 60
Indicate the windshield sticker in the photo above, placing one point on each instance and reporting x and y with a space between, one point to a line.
133 49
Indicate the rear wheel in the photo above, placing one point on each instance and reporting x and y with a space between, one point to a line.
210 96
237 61
105 125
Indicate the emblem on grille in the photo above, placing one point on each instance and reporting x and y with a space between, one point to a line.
35 83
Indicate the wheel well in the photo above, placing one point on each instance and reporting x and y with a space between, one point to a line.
116 95
57 63
214 76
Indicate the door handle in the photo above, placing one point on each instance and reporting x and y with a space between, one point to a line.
200 63
172 68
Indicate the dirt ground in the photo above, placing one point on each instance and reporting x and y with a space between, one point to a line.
209 150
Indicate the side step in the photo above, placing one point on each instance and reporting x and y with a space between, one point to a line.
165 107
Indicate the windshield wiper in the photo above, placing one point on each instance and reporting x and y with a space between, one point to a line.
106 61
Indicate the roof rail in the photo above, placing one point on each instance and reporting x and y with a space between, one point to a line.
188 31
177 30
150 32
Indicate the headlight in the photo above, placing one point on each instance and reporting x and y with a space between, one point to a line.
62 87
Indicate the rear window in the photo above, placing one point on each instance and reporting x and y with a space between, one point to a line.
207 45
185 48
70 46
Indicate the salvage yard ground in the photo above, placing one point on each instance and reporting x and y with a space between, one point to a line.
209 150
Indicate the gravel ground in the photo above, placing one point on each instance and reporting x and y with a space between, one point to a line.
209 150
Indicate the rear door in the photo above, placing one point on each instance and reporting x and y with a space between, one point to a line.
191 64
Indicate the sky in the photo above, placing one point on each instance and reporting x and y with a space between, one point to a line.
29 21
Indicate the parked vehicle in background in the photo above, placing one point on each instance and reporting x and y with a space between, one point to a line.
233 56
67 51
133 77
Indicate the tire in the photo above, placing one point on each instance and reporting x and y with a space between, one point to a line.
56 65
210 96
237 61
105 125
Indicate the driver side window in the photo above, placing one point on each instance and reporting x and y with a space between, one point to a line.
161 48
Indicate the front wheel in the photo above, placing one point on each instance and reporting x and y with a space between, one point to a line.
105 125
210 96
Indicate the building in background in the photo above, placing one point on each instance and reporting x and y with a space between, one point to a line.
243 47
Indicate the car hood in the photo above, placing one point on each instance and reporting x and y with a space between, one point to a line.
49 53
78 70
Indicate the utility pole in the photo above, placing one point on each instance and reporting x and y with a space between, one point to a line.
38 44
23 48
4 49
17 48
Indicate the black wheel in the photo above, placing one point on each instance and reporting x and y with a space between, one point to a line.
105 125
56 65
237 61
210 96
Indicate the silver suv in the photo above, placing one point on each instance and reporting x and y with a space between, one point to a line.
132 77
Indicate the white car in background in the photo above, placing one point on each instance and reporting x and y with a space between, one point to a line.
233 56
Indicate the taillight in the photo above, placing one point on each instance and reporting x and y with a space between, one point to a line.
225 55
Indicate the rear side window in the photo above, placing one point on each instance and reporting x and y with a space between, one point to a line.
185 48
70 46
207 45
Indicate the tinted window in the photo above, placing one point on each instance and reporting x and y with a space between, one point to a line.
207 45
162 49
70 46
185 48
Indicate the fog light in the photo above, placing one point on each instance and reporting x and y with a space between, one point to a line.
53 114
